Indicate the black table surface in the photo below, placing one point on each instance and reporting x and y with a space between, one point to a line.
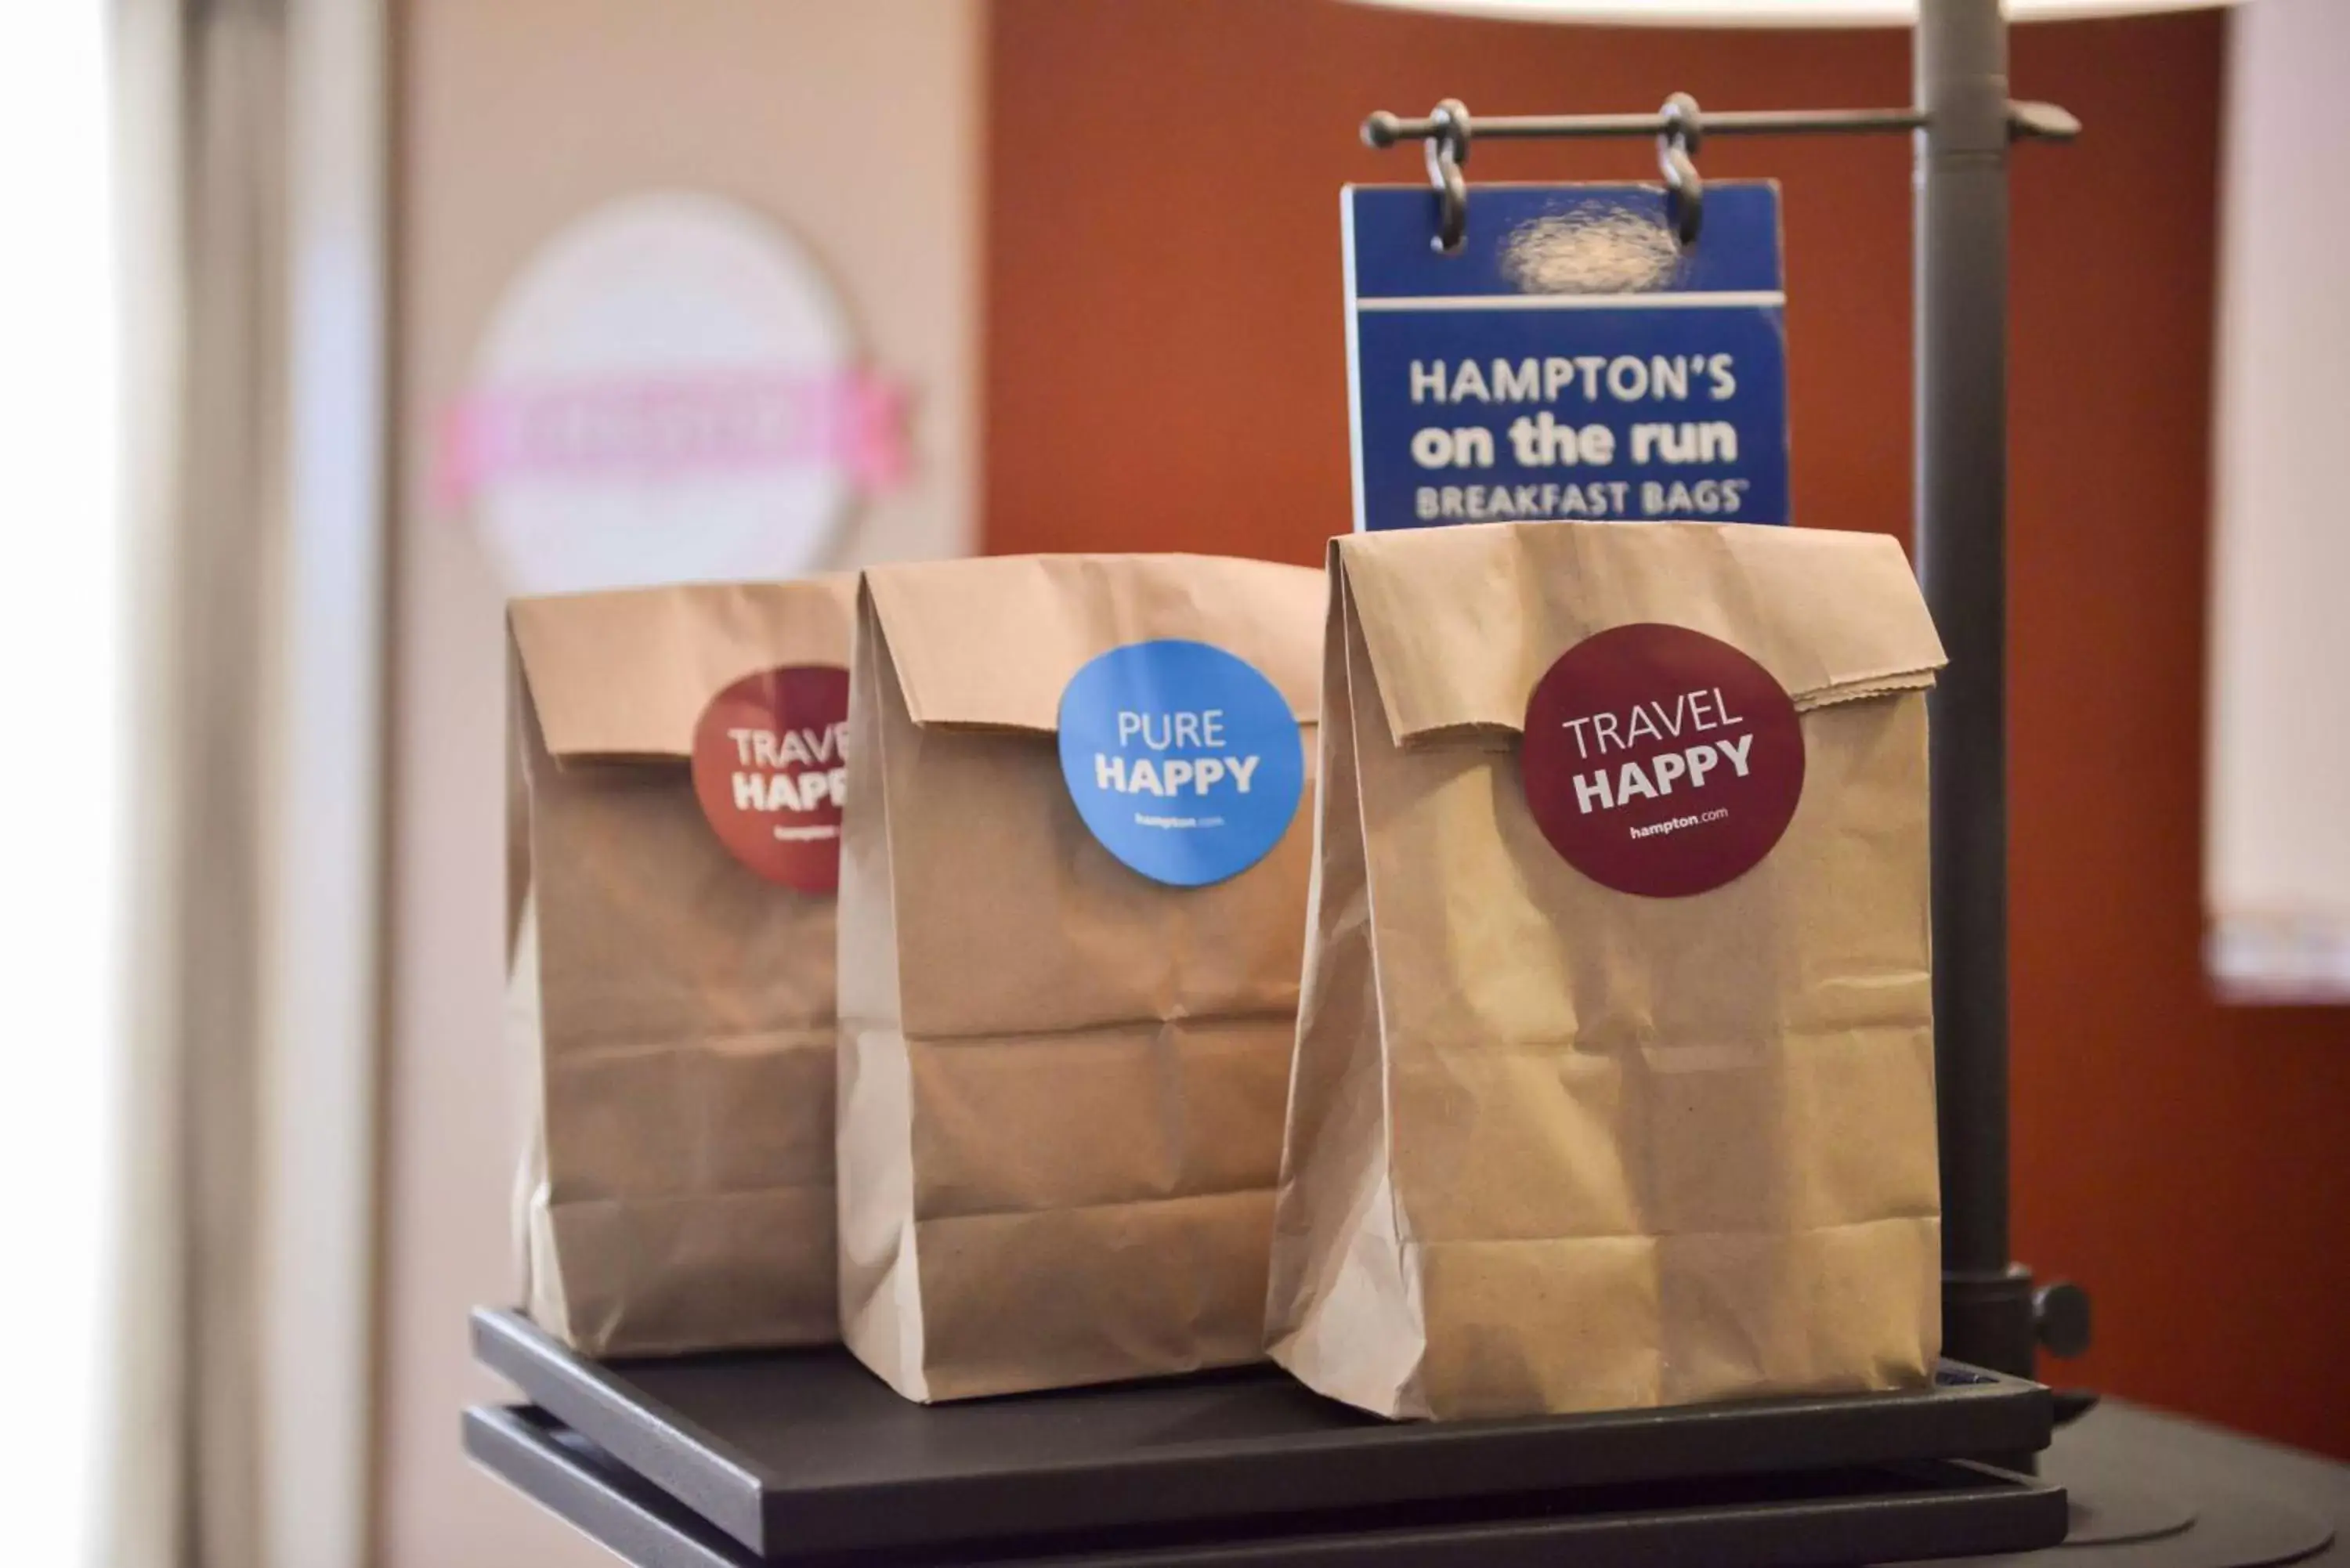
796 1453
1811 1519
2233 1501
721 1462
2238 1500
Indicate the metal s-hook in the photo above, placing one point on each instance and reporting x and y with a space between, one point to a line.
1445 135
1447 149
1677 147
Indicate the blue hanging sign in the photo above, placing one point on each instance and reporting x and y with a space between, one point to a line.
1570 361
1183 759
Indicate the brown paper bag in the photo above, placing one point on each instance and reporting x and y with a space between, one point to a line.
677 1007
1061 1083
1553 1146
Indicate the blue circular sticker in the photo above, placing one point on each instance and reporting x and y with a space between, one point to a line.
1184 761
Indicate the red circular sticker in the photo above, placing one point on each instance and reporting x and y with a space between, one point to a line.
1660 760
768 770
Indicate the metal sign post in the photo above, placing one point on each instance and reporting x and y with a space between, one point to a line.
1960 62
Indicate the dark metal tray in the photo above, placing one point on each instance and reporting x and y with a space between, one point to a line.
800 1452
1845 1516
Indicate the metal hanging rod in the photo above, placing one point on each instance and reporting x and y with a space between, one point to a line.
1679 126
2025 121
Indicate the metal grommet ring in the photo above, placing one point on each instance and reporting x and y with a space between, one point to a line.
1447 149
1677 147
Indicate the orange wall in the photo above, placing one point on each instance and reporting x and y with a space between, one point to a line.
1165 368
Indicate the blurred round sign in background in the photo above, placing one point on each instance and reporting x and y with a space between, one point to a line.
670 391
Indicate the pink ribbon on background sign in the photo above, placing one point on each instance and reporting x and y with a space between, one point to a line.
674 426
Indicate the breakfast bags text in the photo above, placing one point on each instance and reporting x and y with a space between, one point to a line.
1072 900
1614 1076
673 839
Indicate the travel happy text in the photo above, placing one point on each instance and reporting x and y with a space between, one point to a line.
1615 784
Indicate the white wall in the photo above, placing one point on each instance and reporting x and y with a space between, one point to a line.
2277 870
855 124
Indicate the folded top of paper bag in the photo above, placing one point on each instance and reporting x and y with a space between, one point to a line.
990 644
625 673
1462 622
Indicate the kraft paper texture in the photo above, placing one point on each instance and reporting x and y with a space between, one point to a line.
1553 1147
1062 1083
677 1009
